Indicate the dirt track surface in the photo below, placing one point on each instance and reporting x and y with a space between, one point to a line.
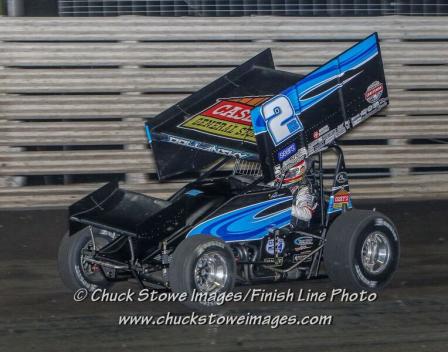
38 314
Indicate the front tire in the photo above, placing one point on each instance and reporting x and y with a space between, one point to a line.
75 272
205 264
362 250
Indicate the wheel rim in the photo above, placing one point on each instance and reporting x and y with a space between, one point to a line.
210 272
90 270
375 253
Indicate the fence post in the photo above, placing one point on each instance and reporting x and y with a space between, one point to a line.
16 8
133 177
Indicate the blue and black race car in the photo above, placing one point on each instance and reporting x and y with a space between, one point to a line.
254 138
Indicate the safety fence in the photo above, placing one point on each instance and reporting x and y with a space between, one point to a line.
252 7
74 93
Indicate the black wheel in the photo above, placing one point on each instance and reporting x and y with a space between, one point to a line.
74 271
362 250
205 264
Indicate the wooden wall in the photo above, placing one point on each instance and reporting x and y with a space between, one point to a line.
74 93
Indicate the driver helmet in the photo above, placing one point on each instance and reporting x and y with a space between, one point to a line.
294 174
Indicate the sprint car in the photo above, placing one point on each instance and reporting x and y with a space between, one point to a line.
239 136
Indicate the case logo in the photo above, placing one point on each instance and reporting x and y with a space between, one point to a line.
228 118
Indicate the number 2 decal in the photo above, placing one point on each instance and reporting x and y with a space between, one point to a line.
281 120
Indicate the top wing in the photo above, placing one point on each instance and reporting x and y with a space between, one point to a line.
215 121
321 107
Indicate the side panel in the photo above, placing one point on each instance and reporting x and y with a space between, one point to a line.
308 116
248 217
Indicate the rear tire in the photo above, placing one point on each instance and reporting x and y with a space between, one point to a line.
72 269
362 250
203 263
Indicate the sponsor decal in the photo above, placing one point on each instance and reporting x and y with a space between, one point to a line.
320 132
280 169
228 118
270 246
276 261
369 111
327 138
341 177
286 152
341 198
303 244
299 257
275 195
374 92
208 147
303 241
